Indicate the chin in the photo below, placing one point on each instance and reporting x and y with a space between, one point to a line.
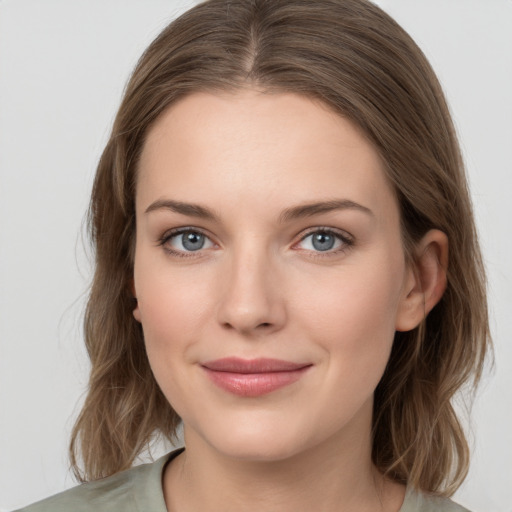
254 439
259 450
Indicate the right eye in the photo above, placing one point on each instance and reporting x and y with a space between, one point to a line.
182 241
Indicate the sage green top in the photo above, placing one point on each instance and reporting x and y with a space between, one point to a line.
139 489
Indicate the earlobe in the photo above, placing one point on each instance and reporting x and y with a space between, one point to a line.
136 311
426 280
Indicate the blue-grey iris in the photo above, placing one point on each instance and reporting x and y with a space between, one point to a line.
192 241
323 241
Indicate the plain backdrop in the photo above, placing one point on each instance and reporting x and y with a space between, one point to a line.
63 66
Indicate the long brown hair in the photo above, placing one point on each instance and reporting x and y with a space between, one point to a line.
359 62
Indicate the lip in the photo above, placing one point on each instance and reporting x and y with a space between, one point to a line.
253 377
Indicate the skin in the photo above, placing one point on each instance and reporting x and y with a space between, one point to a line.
260 288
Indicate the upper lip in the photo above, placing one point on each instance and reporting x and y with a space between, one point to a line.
261 365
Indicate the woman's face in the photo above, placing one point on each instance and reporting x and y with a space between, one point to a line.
266 230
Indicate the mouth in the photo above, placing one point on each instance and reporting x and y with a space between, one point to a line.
253 377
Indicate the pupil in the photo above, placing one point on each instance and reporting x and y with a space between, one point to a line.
323 241
193 241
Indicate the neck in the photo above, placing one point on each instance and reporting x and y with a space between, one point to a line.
336 475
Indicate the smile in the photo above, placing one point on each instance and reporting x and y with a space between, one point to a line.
254 377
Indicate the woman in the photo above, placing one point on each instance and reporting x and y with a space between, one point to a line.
279 270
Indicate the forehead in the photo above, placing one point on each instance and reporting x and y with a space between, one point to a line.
248 144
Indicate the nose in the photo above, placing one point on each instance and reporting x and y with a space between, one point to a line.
252 300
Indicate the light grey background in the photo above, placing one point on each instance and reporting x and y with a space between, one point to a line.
63 66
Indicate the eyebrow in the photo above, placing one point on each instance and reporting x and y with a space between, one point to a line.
311 209
295 212
189 209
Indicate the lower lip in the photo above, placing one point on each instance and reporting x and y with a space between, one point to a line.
254 384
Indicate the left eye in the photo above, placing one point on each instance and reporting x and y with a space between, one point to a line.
188 241
323 240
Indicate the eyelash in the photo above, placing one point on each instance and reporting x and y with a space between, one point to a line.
346 240
175 232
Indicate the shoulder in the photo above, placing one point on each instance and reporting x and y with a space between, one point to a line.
421 502
111 493
132 490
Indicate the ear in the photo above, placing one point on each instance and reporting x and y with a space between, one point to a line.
136 311
425 282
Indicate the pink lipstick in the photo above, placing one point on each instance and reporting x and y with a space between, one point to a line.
253 377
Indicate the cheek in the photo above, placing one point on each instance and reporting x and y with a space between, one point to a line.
172 303
173 307
352 313
351 319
